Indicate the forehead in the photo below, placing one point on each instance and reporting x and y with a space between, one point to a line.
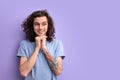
40 19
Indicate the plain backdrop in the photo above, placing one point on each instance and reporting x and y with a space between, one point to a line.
89 30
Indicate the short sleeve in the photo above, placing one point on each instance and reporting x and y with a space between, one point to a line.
59 50
21 50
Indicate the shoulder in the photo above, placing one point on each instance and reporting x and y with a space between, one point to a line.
25 42
56 41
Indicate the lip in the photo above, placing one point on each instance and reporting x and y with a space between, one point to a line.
40 31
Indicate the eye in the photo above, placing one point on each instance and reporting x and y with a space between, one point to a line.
44 23
36 24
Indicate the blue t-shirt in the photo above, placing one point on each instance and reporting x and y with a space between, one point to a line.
41 69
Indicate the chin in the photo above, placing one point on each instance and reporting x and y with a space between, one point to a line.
40 34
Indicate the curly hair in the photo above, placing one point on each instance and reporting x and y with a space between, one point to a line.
27 25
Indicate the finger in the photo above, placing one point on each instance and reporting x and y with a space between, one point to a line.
42 36
45 36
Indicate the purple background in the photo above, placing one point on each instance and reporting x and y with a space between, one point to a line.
89 30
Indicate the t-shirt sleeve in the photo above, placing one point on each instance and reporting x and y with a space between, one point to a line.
21 50
59 50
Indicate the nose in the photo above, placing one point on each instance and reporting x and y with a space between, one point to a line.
40 26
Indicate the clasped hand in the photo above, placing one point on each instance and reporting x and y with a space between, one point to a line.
41 42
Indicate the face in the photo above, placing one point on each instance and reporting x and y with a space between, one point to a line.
40 26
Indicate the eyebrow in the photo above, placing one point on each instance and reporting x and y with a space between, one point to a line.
44 21
38 22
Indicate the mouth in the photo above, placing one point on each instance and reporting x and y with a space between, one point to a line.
40 32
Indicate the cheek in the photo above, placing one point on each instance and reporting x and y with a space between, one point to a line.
35 28
46 28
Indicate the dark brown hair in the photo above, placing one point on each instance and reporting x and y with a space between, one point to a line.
27 25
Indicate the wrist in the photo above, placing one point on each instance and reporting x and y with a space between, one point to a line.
37 49
45 50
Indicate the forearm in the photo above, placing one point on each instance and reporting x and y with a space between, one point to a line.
54 64
27 66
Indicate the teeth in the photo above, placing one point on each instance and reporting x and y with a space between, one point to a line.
40 32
